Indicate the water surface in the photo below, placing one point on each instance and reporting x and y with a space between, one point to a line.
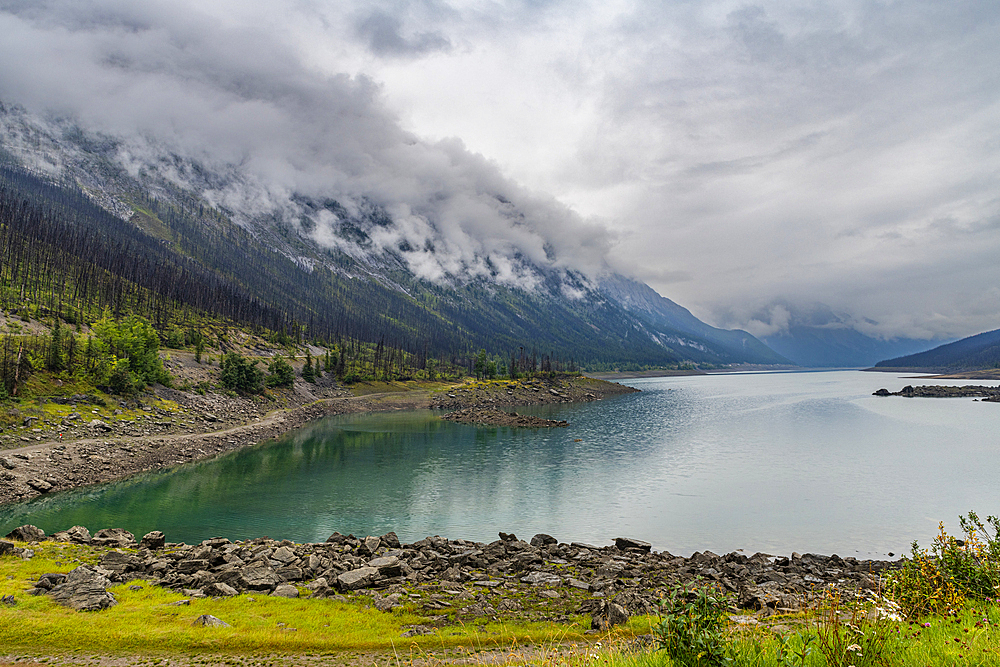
774 462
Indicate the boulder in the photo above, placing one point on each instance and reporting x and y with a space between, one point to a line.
625 543
76 535
285 591
27 533
113 537
209 621
119 562
153 540
260 577
6 548
369 545
39 485
283 555
390 540
388 566
220 590
85 589
543 540
355 579
607 615
542 579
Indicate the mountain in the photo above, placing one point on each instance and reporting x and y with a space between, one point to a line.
816 337
978 352
351 263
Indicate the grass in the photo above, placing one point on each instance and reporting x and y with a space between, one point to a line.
971 637
147 620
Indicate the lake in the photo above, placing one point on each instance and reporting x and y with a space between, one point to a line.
773 462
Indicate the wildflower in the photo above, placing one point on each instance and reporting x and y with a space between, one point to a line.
854 648
927 625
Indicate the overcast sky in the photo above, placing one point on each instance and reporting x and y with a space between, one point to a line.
732 155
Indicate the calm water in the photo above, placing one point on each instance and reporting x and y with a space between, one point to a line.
770 461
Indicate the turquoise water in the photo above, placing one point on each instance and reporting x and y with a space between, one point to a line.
773 462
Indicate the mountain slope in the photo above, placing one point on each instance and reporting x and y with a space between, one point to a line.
981 351
348 265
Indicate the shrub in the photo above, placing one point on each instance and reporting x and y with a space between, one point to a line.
280 373
240 374
692 626
939 580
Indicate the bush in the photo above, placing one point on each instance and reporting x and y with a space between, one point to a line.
938 581
240 374
132 341
692 626
280 373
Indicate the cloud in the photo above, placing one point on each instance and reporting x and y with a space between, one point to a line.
382 33
734 154
242 98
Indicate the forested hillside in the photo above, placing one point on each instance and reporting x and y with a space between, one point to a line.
978 352
72 258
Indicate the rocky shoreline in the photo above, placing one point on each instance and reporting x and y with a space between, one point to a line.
104 451
448 581
988 394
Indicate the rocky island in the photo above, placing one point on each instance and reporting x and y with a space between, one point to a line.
988 394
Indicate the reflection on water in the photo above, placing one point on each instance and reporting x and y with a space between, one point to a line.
772 462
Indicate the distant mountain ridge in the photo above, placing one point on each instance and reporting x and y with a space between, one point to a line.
978 352
343 265
815 336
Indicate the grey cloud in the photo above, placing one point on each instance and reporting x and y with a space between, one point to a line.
383 34
239 98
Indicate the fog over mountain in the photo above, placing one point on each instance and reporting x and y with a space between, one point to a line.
734 156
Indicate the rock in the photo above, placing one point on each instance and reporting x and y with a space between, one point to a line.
542 540
625 543
390 540
607 615
85 589
369 545
508 537
285 591
100 425
113 537
76 535
6 548
209 621
39 485
153 540
283 555
355 579
882 392
7 463
118 562
542 579
27 533
388 603
388 566
260 577
47 582
220 590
